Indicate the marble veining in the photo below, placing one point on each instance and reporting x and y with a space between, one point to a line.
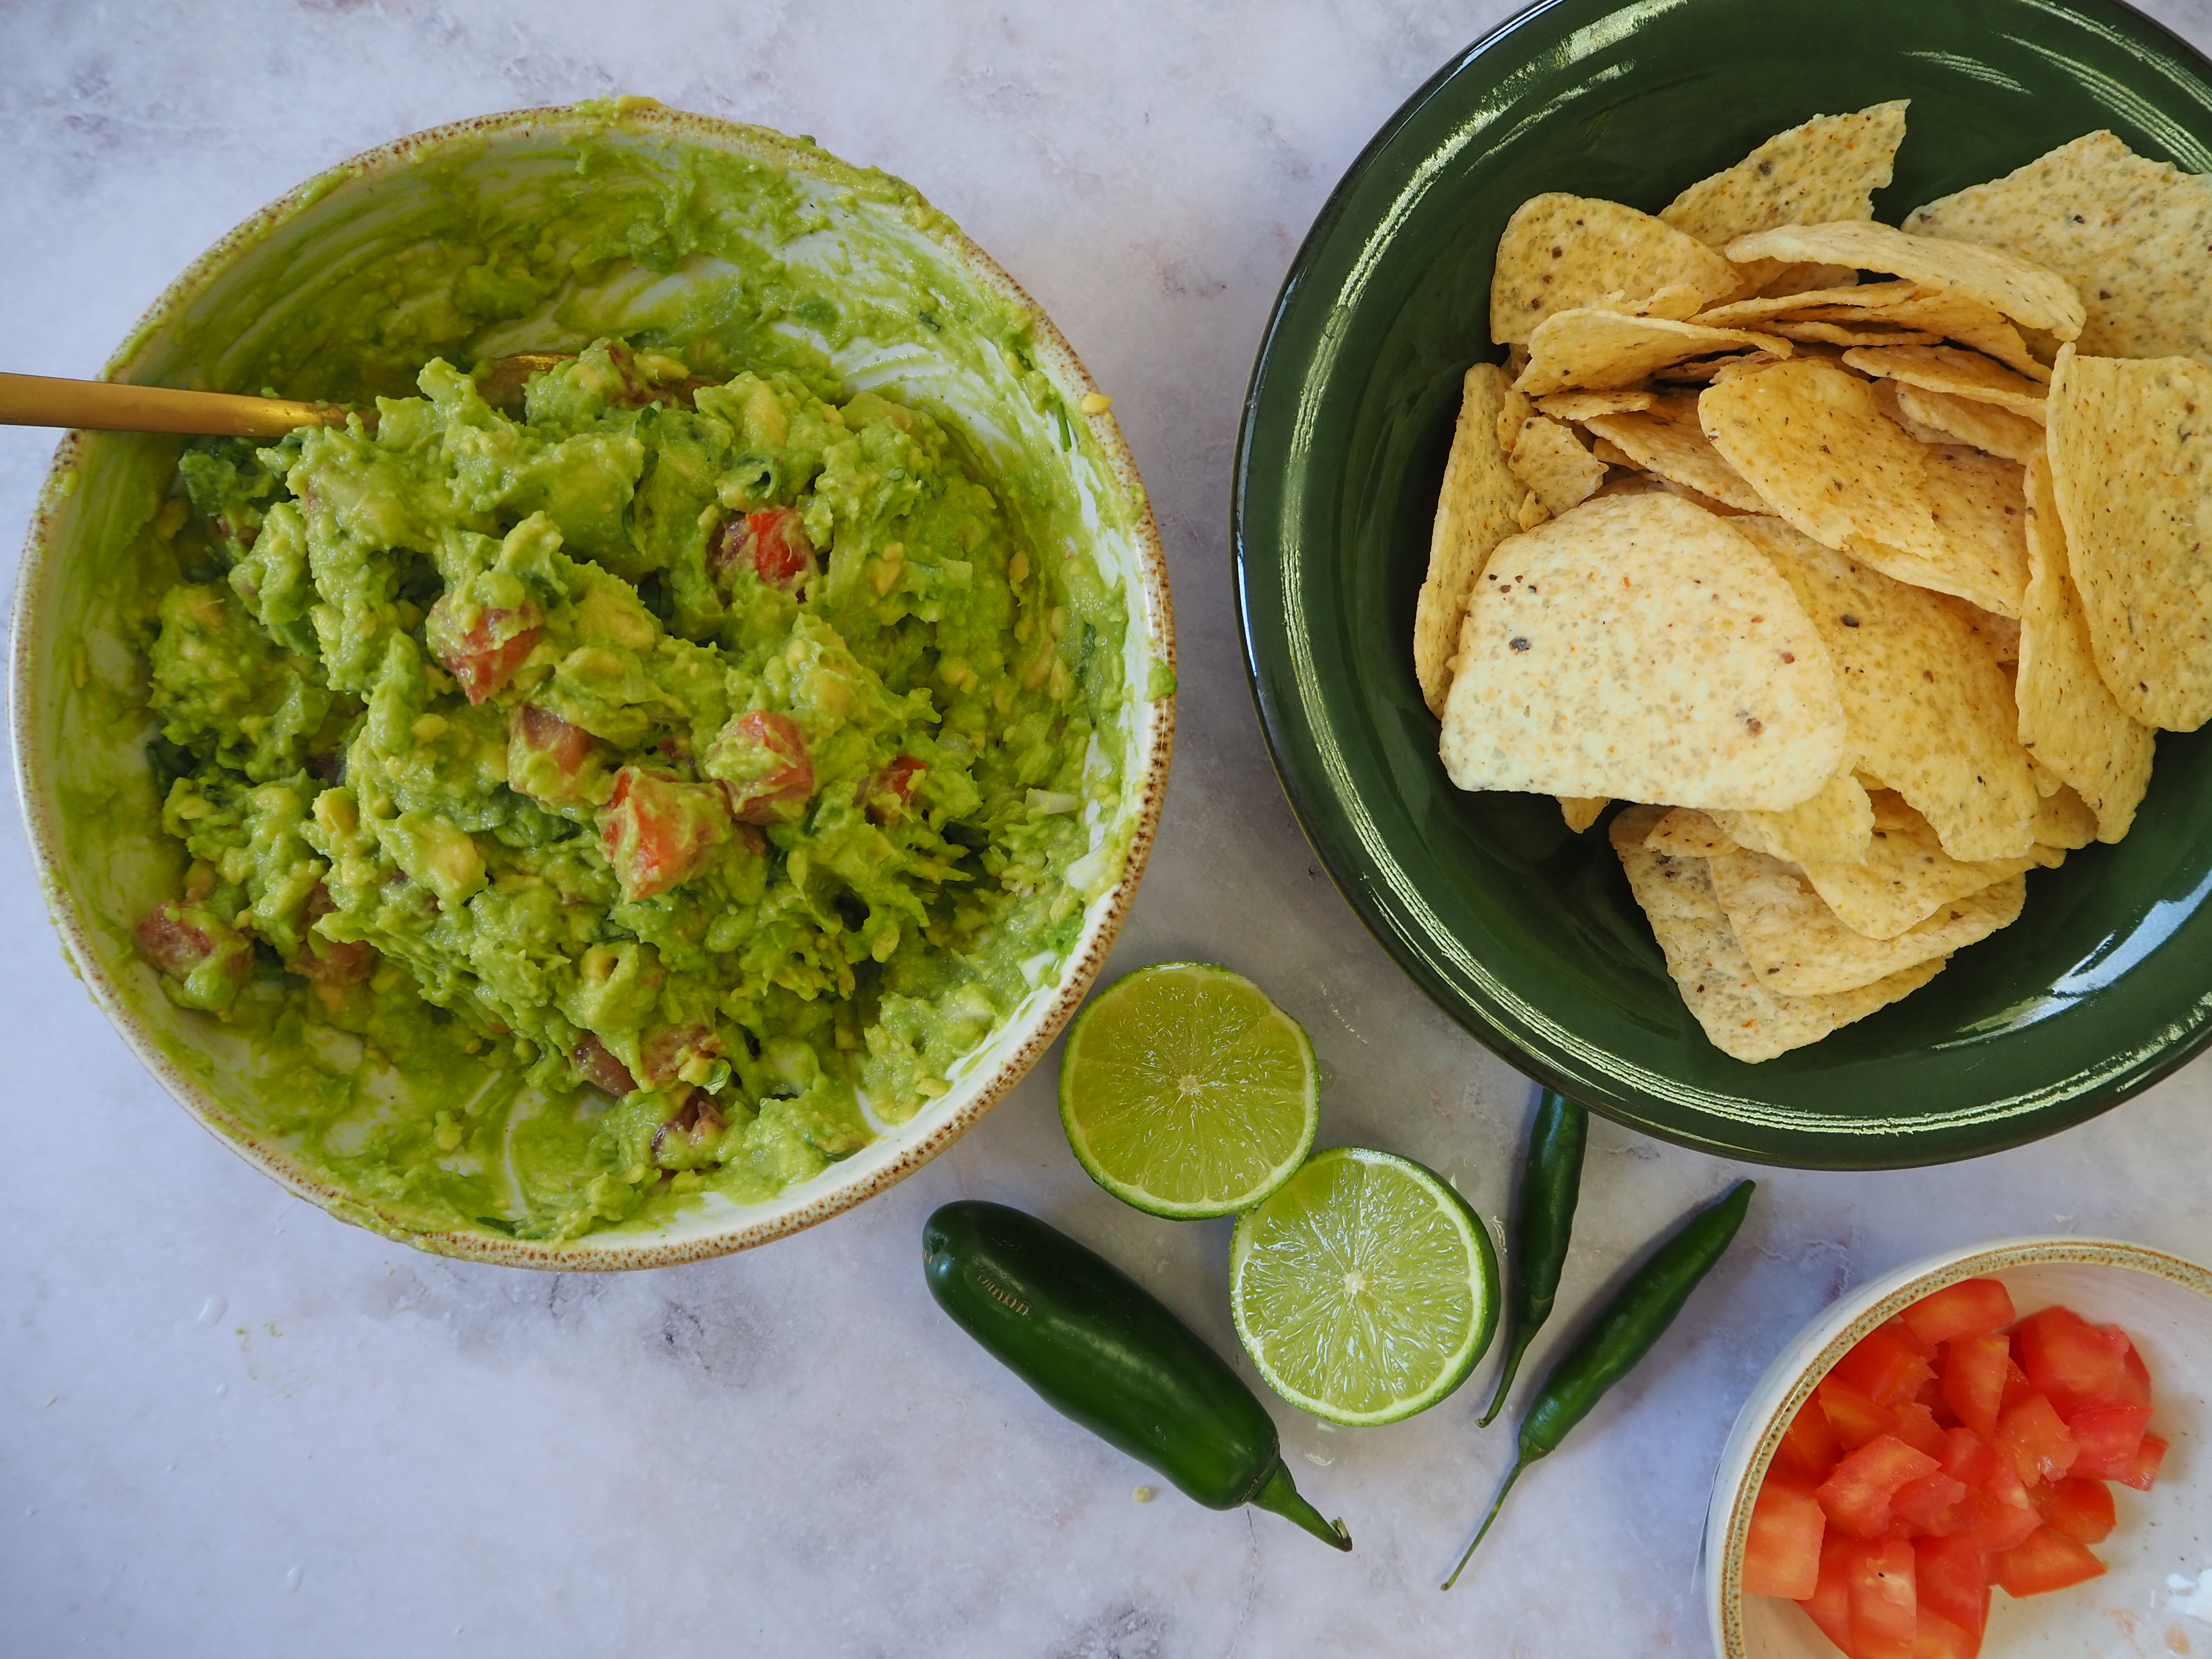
229 1425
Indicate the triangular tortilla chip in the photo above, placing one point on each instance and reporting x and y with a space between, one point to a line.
1582 810
1666 439
1980 509
1740 1016
2131 466
1956 316
1551 460
1929 712
1600 350
1800 948
1937 417
1637 647
2065 822
1477 509
1811 439
2131 234
1869 296
1835 825
2068 721
1905 875
1827 168
2023 290
1581 405
1562 252
1948 369
1848 337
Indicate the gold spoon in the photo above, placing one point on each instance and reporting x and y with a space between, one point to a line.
108 406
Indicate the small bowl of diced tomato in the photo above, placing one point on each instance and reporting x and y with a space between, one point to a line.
1989 1451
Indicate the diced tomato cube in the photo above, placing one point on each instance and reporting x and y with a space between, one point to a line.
1967 1457
668 1048
206 956
598 1066
1782 1549
549 734
1857 1494
1854 1418
1917 1428
660 831
2046 1560
481 647
1884 1601
1887 1365
1998 1514
2073 1363
330 961
774 541
1829 1607
1974 1370
760 758
1952 1581
1928 1504
2142 1471
2078 1508
886 794
2108 1436
1973 1307
2136 1386
1808 1445
1935 1637
2035 1437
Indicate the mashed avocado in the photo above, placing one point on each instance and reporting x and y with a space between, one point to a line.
689 765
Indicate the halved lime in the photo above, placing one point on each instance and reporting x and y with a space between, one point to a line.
1364 1288
1186 1092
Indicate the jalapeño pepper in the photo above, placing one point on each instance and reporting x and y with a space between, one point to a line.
1103 1350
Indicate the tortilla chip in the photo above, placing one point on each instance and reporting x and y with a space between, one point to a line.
1551 460
1842 335
2131 466
1476 511
1582 810
1937 417
1870 297
1905 875
1953 315
1637 647
2023 290
1601 349
1564 252
1531 512
1710 370
1806 278
1980 508
1581 405
1960 374
1798 947
2068 721
1740 1016
1666 439
1686 833
1928 711
1835 826
1999 636
2129 232
2065 822
1827 168
1811 440
1513 412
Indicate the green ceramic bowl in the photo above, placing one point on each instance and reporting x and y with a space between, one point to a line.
1525 934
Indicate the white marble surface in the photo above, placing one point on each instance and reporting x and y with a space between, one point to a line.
230 1425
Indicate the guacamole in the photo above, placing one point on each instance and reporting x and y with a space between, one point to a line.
685 764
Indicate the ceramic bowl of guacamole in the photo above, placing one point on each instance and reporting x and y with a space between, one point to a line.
1525 932
669 765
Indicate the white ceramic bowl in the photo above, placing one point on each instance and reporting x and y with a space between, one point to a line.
85 787
2159 1553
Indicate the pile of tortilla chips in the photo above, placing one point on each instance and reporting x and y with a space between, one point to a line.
1864 560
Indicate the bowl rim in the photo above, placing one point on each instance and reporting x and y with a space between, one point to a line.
1378 894
1756 1434
893 1157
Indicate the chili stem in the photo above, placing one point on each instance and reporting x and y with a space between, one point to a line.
1496 1505
1279 1494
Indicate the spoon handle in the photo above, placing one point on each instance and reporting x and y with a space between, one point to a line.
106 406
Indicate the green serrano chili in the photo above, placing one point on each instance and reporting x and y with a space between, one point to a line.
1550 1181
1618 1338
1105 1350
